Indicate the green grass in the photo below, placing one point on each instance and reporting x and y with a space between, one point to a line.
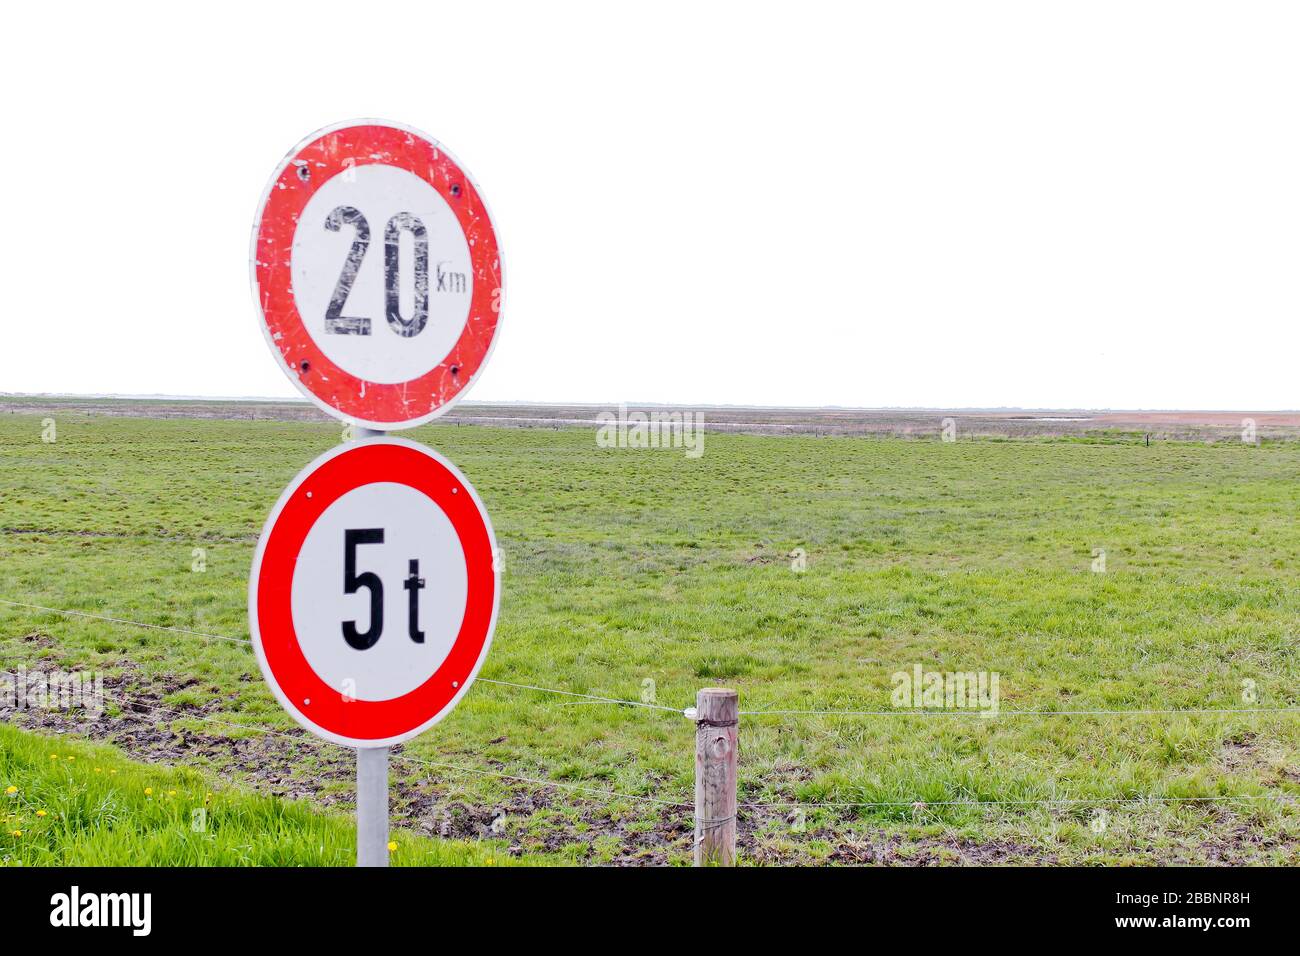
628 566
72 804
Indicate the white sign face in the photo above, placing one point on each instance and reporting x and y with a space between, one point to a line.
389 241
374 592
399 535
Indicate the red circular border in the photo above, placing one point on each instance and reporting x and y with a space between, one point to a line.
326 156
293 675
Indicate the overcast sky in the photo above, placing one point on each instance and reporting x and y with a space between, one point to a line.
905 204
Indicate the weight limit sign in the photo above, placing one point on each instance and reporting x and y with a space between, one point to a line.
374 592
377 273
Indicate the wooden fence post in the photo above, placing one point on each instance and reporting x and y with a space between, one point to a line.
716 717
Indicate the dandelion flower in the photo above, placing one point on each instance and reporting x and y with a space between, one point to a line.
148 791
40 813
17 833
391 846
112 771
171 793
54 756
11 790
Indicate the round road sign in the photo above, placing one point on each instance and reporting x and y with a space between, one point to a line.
374 592
377 272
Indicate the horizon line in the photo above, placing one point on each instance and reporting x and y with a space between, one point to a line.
299 400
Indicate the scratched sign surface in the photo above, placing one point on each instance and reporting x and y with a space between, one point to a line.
377 273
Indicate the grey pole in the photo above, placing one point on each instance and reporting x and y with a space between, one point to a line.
372 806
372 776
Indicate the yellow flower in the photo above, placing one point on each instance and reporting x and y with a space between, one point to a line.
171 793
70 757
11 790
391 846
40 813
112 771
17 833
148 791
54 756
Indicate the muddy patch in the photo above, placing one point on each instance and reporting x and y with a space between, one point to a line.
183 721
893 850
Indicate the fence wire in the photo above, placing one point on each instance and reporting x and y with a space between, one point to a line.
766 712
916 805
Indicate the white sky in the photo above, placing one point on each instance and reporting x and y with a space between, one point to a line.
938 204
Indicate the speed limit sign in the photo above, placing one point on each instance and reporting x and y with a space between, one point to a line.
374 592
377 273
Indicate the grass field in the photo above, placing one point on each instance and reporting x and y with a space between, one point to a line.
625 567
66 804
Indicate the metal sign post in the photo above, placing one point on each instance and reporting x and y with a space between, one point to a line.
372 774
374 589
372 806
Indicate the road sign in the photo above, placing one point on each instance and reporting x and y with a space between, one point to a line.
374 592
377 272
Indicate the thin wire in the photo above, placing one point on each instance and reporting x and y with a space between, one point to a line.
1148 712
240 640
1020 713
592 697
747 805
118 620
923 804
314 741
206 538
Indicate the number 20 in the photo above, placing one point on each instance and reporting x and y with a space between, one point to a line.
338 323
